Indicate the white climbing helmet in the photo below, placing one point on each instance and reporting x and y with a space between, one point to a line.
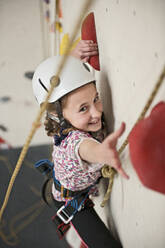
74 75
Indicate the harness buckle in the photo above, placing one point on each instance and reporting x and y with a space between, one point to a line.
61 213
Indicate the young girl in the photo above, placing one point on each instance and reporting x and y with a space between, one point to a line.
75 121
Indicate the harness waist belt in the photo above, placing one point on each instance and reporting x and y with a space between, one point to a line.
66 193
45 166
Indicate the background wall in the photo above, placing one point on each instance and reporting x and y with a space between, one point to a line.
21 51
131 41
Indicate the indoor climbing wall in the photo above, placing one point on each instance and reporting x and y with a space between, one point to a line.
131 43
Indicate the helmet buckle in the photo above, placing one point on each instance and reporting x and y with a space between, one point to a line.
55 81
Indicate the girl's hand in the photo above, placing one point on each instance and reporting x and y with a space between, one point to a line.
85 49
105 152
110 154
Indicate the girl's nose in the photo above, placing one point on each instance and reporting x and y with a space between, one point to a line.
96 112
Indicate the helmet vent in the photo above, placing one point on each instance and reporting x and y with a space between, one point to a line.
86 67
43 86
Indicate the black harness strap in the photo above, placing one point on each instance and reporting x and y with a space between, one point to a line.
65 213
62 228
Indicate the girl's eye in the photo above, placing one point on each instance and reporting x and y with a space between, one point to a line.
83 109
96 99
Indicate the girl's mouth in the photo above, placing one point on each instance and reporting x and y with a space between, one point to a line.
95 122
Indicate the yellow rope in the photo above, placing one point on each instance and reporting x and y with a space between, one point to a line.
38 118
109 172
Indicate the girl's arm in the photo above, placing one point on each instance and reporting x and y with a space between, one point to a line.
105 152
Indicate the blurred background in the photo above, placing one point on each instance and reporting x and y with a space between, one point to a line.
30 32
21 51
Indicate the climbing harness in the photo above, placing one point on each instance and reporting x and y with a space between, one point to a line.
74 200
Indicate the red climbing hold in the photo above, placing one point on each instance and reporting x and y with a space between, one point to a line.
88 32
4 144
147 149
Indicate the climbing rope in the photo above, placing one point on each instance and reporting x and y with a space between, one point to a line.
54 82
109 172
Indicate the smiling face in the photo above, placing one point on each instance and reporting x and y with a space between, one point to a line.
83 108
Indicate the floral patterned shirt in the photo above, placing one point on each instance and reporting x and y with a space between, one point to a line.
73 172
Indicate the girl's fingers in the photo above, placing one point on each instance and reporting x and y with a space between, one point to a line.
115 135
116 164
86 41
88 48
86 54
120 131
85 59
115 161
122 172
